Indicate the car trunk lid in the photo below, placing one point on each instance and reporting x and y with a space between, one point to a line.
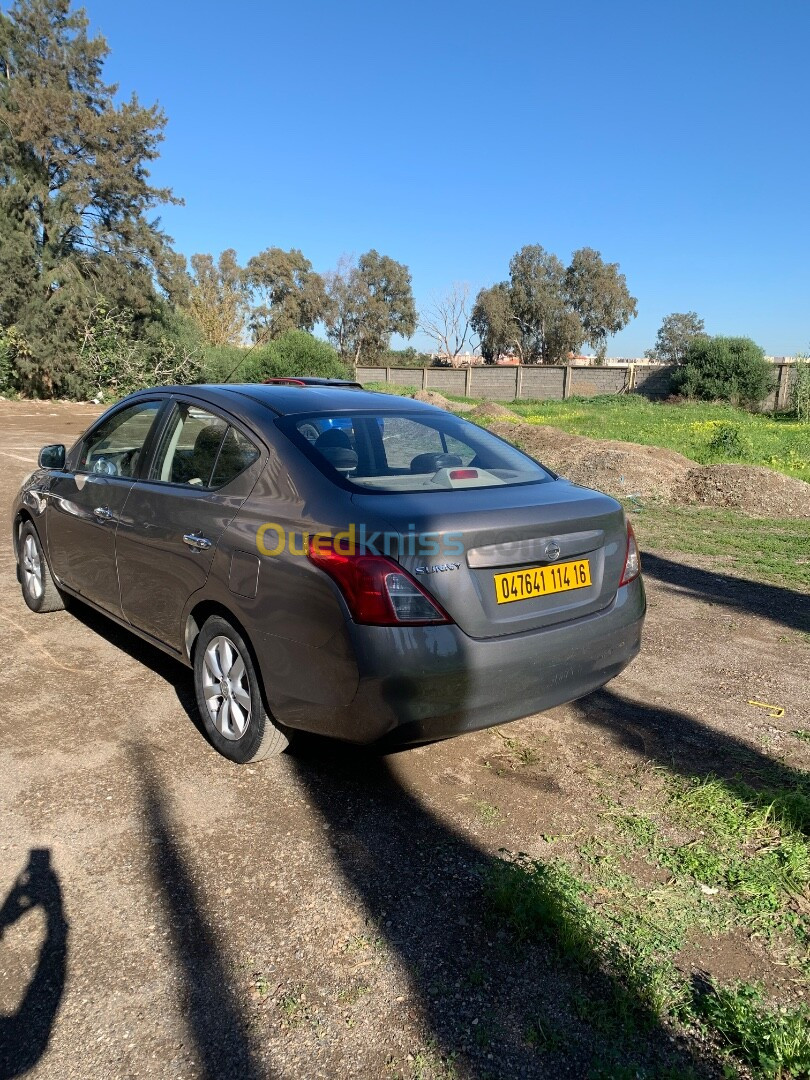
508 559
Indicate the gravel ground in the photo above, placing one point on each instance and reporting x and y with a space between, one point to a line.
321 915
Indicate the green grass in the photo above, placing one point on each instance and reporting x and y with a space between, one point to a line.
775 1042
630 943
391 388
696 429
725 858
773 549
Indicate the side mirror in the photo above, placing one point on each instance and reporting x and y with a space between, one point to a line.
52 457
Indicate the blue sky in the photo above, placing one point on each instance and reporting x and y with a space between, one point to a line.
673 137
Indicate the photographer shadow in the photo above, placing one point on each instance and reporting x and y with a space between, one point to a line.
25 1034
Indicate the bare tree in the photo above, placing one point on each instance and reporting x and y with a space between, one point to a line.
447 322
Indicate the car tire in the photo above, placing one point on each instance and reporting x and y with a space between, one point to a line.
36 581
229 696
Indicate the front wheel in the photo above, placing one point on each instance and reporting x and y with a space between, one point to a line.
38 587
229 696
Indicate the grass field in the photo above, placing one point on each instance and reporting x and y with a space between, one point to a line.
698 430
677 861
768 549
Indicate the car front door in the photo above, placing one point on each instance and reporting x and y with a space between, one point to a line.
87 497
203 470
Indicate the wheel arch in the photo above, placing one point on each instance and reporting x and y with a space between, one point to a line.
21 518
196 619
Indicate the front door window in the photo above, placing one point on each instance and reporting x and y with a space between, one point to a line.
114 447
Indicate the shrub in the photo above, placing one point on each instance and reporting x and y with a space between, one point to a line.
116 358
220 361
13 351
727 442
6 364
295 353
800 394
726 369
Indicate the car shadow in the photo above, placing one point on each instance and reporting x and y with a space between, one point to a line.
24 1036
490 1004
177 675
215 1019
686 747
775 602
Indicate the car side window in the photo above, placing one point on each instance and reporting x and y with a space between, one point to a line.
114 447
189 447
236 454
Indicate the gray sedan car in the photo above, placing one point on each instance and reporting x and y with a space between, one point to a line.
332 560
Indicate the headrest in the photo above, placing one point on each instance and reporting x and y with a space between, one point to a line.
423 463
333 437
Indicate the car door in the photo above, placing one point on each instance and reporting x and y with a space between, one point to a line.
203 469
87 497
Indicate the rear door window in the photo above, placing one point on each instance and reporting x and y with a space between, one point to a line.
201 449
189 447
236 454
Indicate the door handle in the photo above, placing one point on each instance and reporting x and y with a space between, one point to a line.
102 513
195 542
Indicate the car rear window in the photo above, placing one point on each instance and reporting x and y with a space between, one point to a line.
409 452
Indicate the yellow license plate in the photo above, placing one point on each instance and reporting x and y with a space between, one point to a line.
541 581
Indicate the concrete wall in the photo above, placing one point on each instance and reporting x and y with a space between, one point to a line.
553 382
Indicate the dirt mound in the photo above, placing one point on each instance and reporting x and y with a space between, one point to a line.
618 468
432 397
495 411
752 488
622 469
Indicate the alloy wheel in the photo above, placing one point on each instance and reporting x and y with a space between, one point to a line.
226 688
32 568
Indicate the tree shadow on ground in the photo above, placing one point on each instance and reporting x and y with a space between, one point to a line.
775 602
492 1004
688 748
215 1020
24 1036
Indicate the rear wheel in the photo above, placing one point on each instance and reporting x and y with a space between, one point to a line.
229 696
38 587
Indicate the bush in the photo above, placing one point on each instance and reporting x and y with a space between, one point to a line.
725 369
117 357
6 364
800 394
726 442
295 353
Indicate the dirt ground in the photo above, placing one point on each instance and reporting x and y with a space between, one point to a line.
320 915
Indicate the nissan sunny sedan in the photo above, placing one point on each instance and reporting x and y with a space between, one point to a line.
332 560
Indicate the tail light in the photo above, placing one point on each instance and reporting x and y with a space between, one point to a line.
632 561
377 590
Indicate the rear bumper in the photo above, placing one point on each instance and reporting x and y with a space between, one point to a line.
422 683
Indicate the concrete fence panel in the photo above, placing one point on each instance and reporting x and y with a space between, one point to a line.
555 382
494 383
542 383
592 381
448 380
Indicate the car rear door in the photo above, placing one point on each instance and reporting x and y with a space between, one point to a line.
86 499
203 469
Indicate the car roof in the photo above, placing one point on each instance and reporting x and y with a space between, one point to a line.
287 399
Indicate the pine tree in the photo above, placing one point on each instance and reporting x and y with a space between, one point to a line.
75 196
